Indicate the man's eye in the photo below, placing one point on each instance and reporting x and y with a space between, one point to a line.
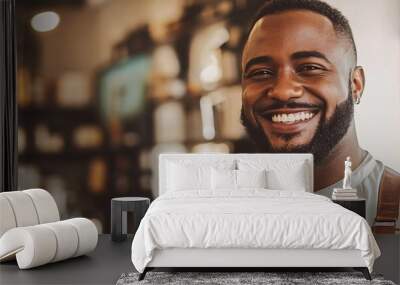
310 68
260 74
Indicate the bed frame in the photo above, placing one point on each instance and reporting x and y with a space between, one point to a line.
250 258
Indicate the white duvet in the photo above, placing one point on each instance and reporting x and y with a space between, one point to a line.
253 218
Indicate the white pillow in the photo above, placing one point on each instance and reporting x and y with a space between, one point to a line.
223 179
292 179
236 179
282 174
183 177
251 179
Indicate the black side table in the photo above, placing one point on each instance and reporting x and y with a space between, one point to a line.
119 208
356 205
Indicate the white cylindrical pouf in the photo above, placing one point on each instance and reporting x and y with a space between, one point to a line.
34 246
7 218
67 239
45 205
87 234
23 208
40 244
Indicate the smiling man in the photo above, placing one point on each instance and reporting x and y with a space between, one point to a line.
300 83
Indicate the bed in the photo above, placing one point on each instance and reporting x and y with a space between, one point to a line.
245 211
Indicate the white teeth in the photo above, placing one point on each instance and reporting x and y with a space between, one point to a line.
292 117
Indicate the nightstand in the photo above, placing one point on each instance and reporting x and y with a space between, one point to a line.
119 208
356 205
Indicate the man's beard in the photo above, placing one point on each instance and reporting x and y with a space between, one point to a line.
327 136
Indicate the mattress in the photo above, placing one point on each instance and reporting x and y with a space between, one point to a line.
250 219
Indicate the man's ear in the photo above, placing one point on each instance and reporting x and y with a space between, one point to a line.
357 83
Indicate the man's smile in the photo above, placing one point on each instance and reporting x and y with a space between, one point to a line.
292 118
289 120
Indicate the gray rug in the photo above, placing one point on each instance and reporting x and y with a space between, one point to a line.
230 278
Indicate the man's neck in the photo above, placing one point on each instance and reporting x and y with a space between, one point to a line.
331 169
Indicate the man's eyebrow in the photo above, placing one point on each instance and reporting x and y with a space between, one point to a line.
310 53
257 60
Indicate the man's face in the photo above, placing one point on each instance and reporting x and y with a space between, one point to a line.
296 83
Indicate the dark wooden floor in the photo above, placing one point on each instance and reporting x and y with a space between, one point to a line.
103 266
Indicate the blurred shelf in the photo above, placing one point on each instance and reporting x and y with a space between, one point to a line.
37 156
56 112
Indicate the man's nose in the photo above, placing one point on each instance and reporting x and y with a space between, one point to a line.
286 87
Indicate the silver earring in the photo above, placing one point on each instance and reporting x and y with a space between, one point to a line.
358 99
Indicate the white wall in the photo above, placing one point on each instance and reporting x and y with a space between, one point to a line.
376 28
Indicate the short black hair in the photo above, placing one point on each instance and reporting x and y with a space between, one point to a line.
340 23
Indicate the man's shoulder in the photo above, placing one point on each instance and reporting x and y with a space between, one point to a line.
389 200
390 180
391 172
